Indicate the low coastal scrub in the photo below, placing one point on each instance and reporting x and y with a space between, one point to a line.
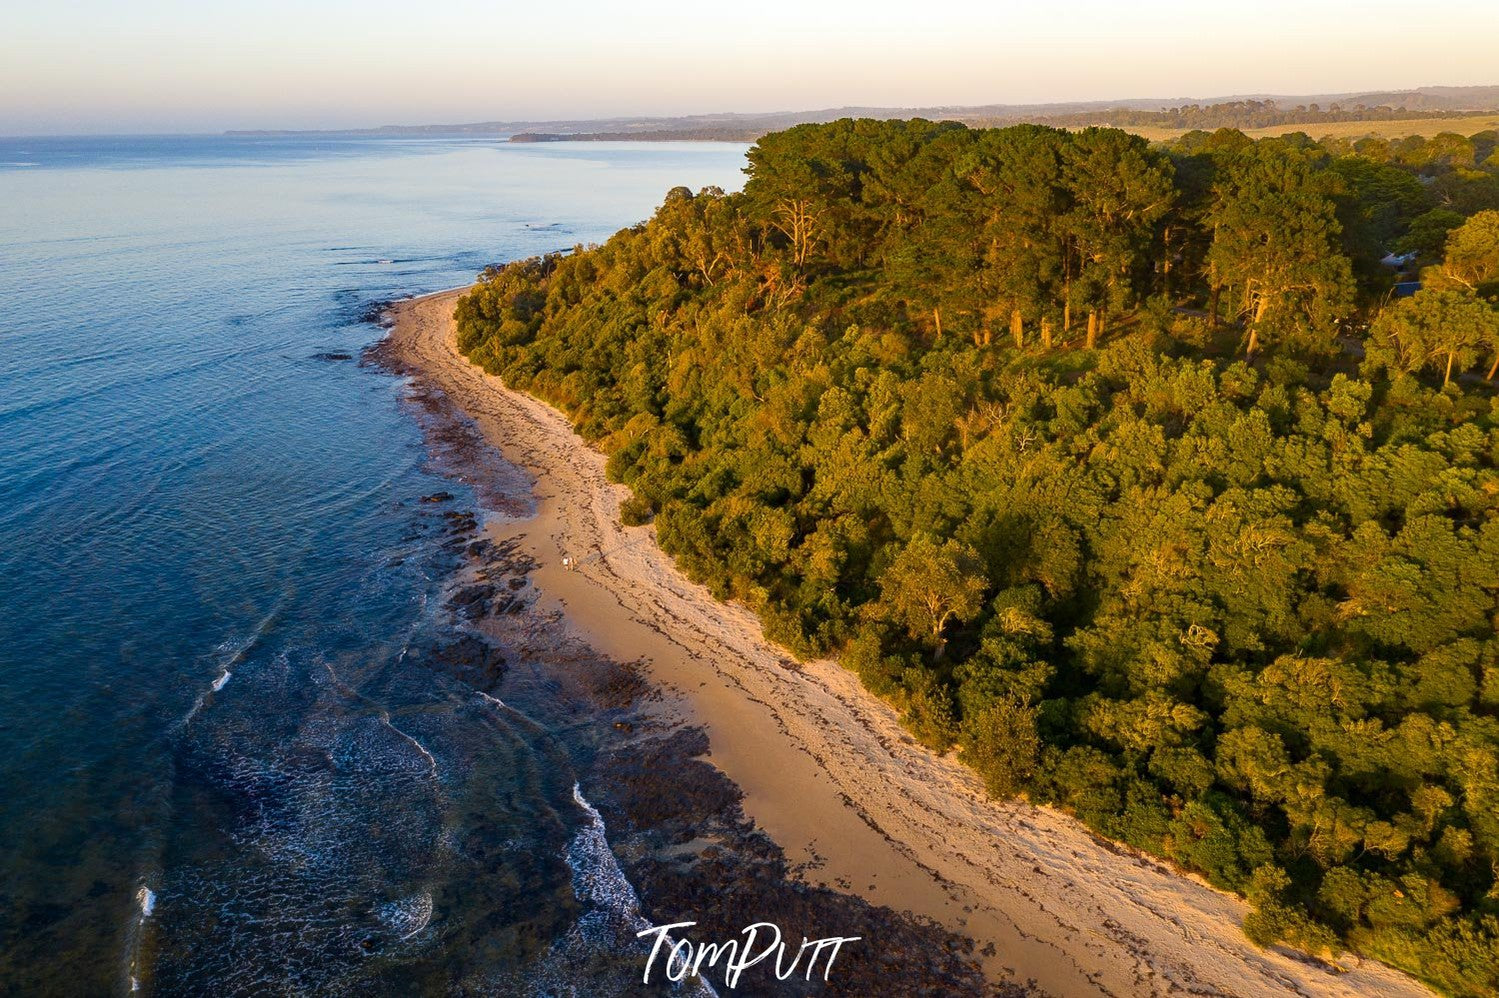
1111 465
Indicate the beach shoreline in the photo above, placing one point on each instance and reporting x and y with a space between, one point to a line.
825 768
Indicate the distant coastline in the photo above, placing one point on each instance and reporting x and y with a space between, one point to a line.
1246 111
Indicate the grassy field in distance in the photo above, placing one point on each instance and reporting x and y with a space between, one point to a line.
1395 129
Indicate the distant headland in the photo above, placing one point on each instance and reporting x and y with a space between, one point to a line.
1166 115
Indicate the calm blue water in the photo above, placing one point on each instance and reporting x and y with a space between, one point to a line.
215 775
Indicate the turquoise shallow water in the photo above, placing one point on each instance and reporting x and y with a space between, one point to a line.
215 773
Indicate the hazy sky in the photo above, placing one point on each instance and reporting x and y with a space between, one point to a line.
206 65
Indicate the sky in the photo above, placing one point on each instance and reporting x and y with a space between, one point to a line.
123 66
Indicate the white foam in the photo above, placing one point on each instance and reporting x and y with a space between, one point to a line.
237 650
496 701
597 878
431 762
234 652
192 712
213 687
145 900
598 881
408 916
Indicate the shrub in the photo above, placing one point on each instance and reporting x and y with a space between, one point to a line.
634 511
1001 744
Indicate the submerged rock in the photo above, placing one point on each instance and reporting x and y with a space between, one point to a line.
469 659
474 600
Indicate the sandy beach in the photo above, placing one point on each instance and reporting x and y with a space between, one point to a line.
827 770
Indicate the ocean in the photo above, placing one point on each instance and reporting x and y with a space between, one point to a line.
220 769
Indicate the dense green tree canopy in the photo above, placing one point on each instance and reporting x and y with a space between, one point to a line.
1276 241
1471 255
1237 612
1444 330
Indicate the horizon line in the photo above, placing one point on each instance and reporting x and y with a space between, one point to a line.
1100 104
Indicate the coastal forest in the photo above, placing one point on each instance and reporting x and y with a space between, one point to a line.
1157 481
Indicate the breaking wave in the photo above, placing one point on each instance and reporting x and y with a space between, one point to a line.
614 917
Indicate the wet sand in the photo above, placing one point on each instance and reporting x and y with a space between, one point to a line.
825 768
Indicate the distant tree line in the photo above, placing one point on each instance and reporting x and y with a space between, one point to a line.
1116 467
1245 114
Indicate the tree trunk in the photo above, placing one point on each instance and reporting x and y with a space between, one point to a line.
1017 328
1046 333
1495 369
1215 286
937 315
1447 377
1260 308
1066 287
1092 340
1166 264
